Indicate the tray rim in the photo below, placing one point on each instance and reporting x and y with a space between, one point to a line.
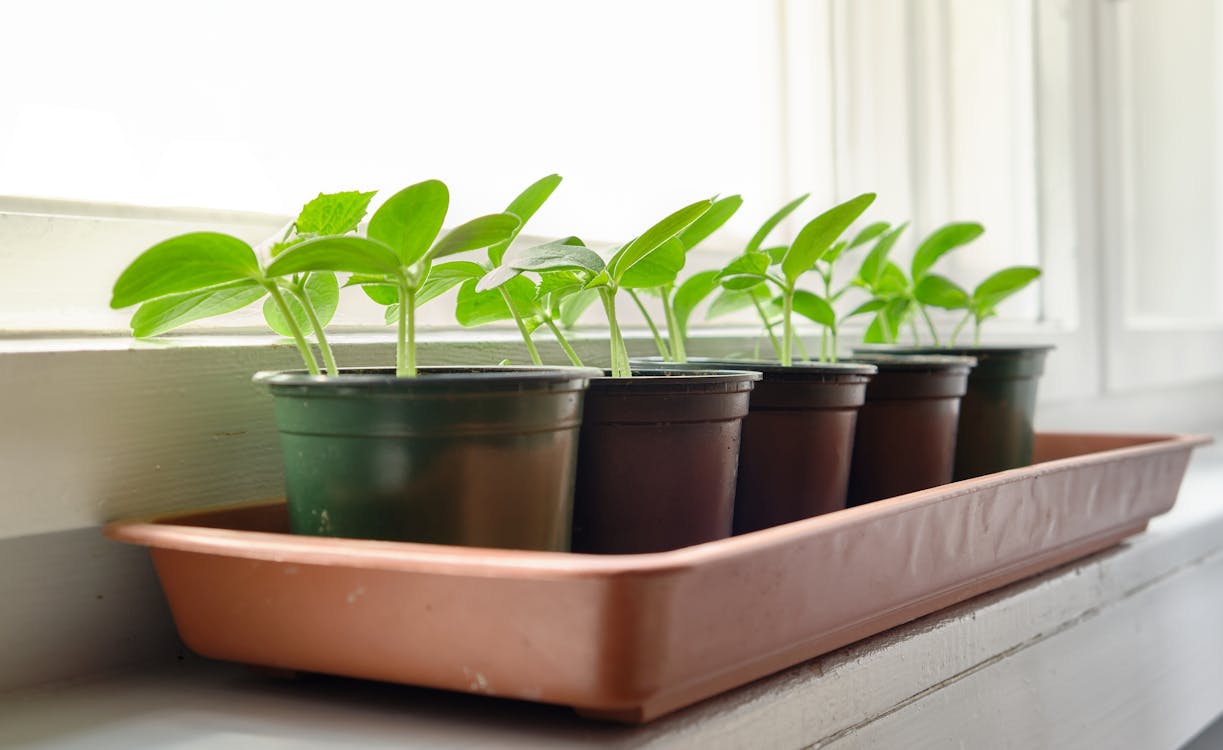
158 531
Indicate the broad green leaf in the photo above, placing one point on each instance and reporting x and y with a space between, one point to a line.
869 306
875 261
868 233
524 207
575 304
446 276
658 268
893 316
818 235
745 271
834 252
941 241
321 289
776 253
187 263
875 333
757 239
940 291
734 300
334 213
167 313
560 255
496 277
347 253
411 219
691 293
478 233
1003 284
652 238
559 283
712 220
474 308
814 308
891 281
383 294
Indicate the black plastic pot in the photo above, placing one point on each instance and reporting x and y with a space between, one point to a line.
797 439
906 433
995 428
657 460
471 456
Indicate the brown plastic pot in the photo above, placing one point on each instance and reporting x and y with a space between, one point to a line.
797 439
482 457
906 433
657 460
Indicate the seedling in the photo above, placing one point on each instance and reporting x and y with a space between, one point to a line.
394 262
569 271
204 274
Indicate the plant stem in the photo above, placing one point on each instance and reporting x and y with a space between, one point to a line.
976 332
768 327
930 324
560 339
787 331
913 327
674 333
619 354
522 327
960 327
405 350
658 341
302 347
319 336
832 350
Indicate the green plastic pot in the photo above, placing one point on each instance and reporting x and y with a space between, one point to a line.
480 457
995 428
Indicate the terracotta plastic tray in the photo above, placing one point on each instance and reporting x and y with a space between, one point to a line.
632 637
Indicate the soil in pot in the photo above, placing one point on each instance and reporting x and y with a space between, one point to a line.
657 460
906 433
995 427
480 457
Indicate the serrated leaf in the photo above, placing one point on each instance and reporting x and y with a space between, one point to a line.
650 240
167 313
323 291
710 221
876 260
445 276
814 308
940 291
771 223
478 233
334 213
559 282
186 263
658 268
411 219
691 293
1003 284
524 207
339 254
818 235
940 242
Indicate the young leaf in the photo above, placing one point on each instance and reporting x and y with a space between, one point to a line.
551 256
321 289
658 268
347 253
941 241
333 213
475 234
187 263
814 308
745 271
650 239
939 291
717 215
891 281
691 293
734 300
524 207
819 234
383 294
757 240
868 233
869 306
167 313
474 308
445 276
776 253
575 304
411 219
1003 284
875 261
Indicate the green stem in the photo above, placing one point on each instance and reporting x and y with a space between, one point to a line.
976 332
929 324
319 336
560 339
915 330
960 327
801 349
787 331
768 327
658 340
832 350
619 353
522 327
405 350
302 347
674 333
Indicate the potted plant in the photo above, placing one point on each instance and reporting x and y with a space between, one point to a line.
466 455
995 422
659 448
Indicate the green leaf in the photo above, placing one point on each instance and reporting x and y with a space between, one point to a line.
1003 284
734 300
167 313
814 308
776 253
475 308
868 233
893 316
757 240
940 291
187 263
446 276
892 281
941 241
321 289
574 305
478 233
658 268
691 293
652 238
347 253
819 234
559 283
869 306
834 252
524 207
411 219
712 220
560 255
383 294
334 213
875 261
745 271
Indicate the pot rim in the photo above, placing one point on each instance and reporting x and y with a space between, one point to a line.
432 379
770 367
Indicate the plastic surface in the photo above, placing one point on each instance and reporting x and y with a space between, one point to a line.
632 637
475 456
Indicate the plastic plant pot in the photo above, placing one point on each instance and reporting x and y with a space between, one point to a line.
657 460
479 457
